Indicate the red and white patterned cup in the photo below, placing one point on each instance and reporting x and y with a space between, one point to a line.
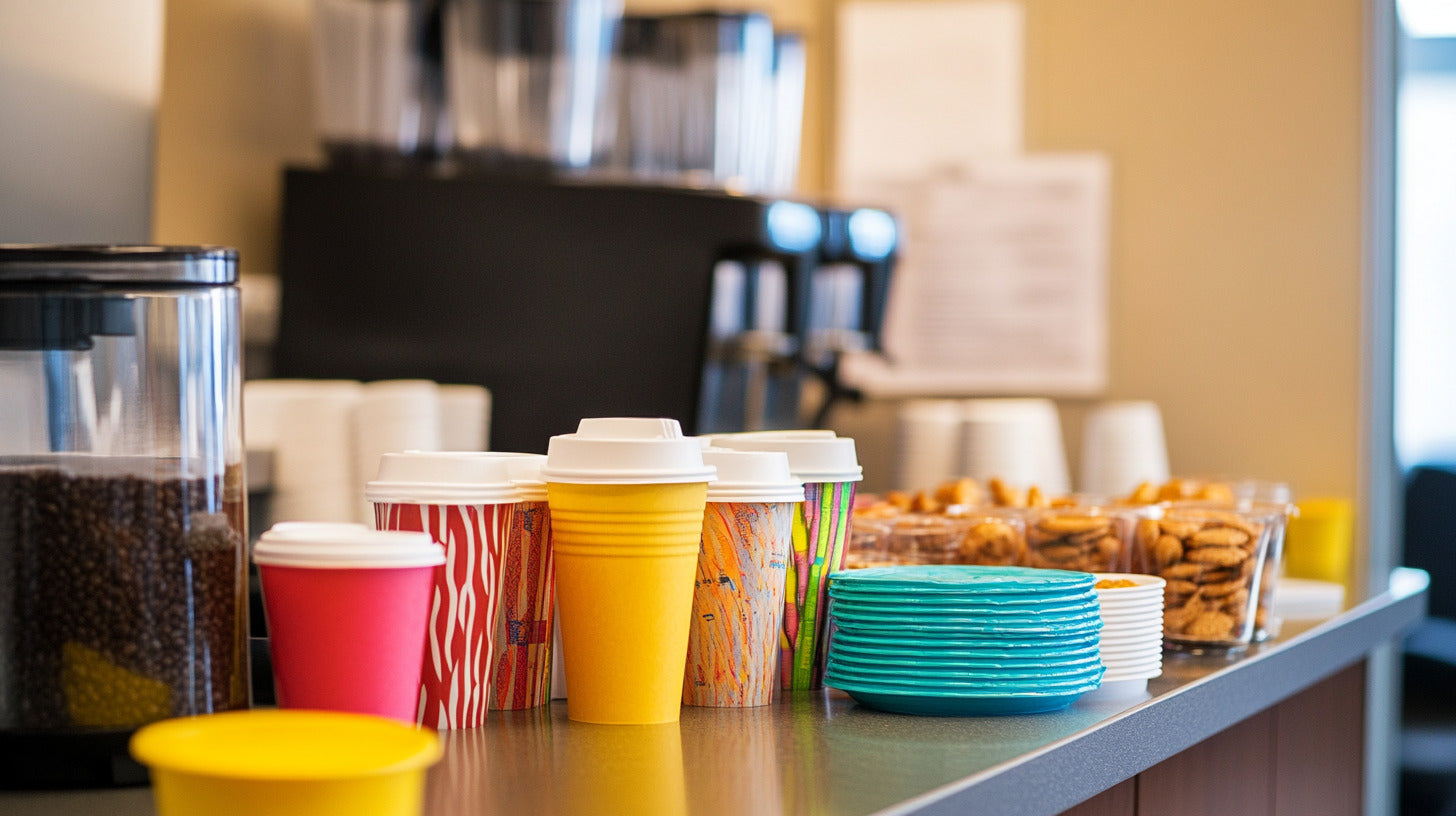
466 502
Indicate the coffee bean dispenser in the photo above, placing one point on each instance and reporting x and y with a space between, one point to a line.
122 583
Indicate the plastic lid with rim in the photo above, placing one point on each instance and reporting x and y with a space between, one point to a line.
526 476
118 263
285 744
626 450
448 477
814 456
331 545
752 476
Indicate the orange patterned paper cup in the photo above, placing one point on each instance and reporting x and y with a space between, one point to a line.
738 604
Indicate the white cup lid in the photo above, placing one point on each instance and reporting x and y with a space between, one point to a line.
526 476
331 545
814 456
626 450
448 477
752 476
800 433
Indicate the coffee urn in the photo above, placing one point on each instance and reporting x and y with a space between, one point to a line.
122 582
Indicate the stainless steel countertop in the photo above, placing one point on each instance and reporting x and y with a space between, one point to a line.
821 753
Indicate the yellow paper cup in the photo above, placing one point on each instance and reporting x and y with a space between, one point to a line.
1319 540
635 770
626 556
286 763
626 496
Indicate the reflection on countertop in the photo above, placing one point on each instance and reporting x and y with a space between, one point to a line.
821 753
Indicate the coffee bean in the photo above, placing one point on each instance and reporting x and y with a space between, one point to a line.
123 600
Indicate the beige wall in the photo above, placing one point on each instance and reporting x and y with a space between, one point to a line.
235 107
1234 130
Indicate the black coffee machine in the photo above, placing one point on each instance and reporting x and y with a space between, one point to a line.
570 297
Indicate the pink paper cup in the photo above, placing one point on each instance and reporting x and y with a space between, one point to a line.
346 616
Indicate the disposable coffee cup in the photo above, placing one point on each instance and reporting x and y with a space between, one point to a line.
829 468
466 502
346 609
523 633
738 599
626 498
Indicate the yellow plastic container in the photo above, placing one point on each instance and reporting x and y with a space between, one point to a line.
286 763
1319 541
626 557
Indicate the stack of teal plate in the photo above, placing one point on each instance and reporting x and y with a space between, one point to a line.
961 640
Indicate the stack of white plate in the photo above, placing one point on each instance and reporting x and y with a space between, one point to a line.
1131 646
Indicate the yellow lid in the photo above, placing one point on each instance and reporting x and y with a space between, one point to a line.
285 745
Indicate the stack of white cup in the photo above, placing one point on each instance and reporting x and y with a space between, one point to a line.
308 426
928 448
393 416
1122 446
464 417
1130 644
1016 440
326 436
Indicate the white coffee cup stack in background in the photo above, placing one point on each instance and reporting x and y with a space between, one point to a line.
1016 440
392 416
1122 446
464 417
928 443
308 425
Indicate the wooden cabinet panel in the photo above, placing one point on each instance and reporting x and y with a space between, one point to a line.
1118 800
1319 748
1230 772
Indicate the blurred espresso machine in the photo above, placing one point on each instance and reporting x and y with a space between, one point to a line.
586 213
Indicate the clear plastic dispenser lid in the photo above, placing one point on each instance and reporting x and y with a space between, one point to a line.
118 263
463 477
329 545
752 476
626 450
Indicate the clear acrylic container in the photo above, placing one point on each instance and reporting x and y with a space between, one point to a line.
1213 559
528 80
122 502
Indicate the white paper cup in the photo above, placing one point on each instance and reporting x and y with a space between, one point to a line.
1123 446
929 443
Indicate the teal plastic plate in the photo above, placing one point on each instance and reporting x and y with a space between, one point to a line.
969 658
909 598
960 630
990 685
1053 609
843 611
848 667
957 578
1018 646
930 706
851 658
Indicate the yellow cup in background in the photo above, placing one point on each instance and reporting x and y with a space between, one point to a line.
1320 540
626 559
286 763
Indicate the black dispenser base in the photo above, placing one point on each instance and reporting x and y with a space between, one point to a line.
68 761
